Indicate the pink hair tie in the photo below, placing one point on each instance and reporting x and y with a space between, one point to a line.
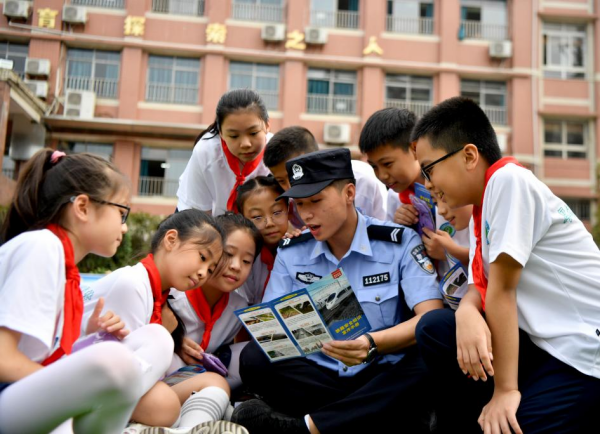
56 156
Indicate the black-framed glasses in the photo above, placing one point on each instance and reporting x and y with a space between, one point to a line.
105 202
425 170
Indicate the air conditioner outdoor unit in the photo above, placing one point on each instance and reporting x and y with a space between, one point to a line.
16 9
336 133
37 67
80 104
38 87
501 49
273 32
74 14
315 35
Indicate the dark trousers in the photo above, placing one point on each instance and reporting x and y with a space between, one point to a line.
379 397
555 398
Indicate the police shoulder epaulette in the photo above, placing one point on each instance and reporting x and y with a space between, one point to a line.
288 242
385 233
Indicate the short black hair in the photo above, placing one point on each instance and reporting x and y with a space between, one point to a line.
287 143
257 183
456 122
390 126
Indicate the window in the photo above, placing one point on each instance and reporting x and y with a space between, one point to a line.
112 4
410 92
172 80
334 13
17 53
103 150
483 19
490 95
179 7
160 170
410 16
260 77
331 91
258 10
564 50
93 70
565 139
582 208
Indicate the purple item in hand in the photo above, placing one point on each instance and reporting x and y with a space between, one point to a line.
92 339
213 364
425 216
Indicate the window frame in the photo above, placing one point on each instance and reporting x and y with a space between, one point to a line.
332 80
566 32
564 147
173 86
483 91
254 75
94 63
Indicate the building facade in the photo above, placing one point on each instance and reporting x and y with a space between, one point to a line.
136 80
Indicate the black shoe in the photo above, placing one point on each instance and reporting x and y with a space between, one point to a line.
259 418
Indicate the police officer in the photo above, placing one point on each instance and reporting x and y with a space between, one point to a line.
362 384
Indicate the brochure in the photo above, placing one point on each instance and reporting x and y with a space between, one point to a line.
454 285
299 323
423 202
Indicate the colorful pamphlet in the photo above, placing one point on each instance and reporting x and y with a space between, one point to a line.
423 203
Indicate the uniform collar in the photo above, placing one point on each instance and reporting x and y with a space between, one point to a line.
360 243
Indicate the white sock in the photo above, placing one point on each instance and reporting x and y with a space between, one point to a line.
208 404
228 412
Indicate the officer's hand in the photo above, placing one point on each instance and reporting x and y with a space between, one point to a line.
474 343
436 243
406 215
350 353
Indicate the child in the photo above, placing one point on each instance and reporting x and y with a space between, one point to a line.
535 272
385 139
64 208
257 201
207 312
227 153
291 142
185 251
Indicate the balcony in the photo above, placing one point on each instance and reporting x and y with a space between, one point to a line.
258 12
422 26
109 4
478 30
496 115
172 94
179 7
157 186
327 104
104 88
418 108
339 19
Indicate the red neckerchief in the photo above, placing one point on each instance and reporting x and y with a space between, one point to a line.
405 195
73 304
240 176
481 282
293 215
159 296
200 305
267 258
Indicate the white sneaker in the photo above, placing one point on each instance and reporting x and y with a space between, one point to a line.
212 427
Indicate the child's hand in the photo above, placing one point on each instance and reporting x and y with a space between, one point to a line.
500 414
293 232
474 344
191 352
168 319
109 322
436 243
406 215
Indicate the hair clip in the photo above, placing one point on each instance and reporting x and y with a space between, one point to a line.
56 156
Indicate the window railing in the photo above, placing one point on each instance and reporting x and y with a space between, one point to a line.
257 12
418 108
327 104
496 115
157 186
339 19
479 30
110 4
270 98
423 26
172 94
103 88
179 7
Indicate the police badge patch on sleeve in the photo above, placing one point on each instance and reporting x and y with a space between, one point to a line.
421 258
307 277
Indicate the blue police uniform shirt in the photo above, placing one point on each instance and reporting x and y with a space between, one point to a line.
408 267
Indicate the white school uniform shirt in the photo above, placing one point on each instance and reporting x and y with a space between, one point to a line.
370 192
32 291
392 204
127 292
207 180
224 330
253 288
558 295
